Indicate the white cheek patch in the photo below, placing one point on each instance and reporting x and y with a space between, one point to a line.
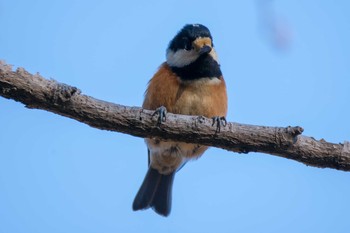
214 55
181 58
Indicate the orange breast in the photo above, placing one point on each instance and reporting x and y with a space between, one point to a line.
205 96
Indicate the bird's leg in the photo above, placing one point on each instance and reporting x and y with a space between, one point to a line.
219 121
161 112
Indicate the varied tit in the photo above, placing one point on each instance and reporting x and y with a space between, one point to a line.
190 82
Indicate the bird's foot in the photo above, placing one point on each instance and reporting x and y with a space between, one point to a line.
161 112
219 121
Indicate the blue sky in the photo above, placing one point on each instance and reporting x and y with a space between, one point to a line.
59 175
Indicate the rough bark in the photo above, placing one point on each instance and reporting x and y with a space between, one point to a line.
37 92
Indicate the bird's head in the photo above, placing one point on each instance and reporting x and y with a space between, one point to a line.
190 43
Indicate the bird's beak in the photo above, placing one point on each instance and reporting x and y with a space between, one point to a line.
202 45
204 50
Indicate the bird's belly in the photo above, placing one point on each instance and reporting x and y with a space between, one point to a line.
190 105
198 98
168 156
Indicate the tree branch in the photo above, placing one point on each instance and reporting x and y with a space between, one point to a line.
37 92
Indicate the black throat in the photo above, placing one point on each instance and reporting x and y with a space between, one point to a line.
204 67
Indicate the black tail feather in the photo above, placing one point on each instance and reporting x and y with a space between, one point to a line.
161 202
155 192
147 190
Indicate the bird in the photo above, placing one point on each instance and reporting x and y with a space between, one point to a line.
189 82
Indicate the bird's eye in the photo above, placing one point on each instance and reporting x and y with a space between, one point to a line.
187 43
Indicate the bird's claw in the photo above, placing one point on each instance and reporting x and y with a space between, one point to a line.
161 112
219 121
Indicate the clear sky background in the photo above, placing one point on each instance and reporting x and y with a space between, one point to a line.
285 63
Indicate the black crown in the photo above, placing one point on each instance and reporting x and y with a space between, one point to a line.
185 37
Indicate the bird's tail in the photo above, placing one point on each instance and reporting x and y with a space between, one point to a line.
155 192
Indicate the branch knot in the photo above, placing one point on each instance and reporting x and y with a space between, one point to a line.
62 93
285 137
